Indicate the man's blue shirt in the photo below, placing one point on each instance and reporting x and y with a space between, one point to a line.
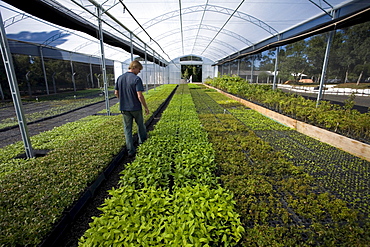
128 85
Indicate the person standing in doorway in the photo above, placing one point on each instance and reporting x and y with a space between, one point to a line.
129 90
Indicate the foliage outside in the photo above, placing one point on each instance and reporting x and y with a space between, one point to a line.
349 59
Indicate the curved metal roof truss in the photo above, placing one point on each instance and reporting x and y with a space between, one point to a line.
232 29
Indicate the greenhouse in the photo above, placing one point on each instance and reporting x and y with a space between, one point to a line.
257 117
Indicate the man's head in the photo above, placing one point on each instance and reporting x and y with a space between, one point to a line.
135 67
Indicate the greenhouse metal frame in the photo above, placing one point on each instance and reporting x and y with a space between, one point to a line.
213 172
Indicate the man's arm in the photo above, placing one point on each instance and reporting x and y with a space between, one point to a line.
142 101
116 93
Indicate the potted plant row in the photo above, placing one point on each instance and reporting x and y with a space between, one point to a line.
169 196
34 193
341 119
280 203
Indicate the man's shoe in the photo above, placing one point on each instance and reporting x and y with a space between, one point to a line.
131 155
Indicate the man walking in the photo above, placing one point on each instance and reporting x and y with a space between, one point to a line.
129 90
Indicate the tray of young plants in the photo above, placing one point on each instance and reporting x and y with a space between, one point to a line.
280 203
345 175
340 119
34 193
170 195
51 105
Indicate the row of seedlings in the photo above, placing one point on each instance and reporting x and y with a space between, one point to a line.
58 136
279 203
341 119
35 192
169 196
343 174
48 106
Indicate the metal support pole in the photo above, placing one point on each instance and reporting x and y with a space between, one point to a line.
252 69
146 72
73 74
324 66
28 84
91 74
74 81
154 75
54 85
276 68
238 68
44 71
1 93
229 68
13 84
131 48
159 74
106 96
162 74
87 80
169 74
325 63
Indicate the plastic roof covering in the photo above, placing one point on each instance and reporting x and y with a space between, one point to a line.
168 29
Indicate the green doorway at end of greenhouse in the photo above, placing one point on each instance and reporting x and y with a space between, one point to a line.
191 73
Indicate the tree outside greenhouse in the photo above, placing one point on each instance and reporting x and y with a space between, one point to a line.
31 80
349 59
